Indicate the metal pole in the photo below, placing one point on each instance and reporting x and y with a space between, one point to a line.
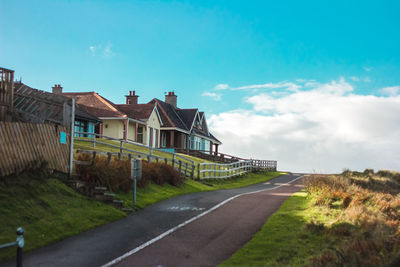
71 145
20 245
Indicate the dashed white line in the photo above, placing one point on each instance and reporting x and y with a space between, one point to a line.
148 243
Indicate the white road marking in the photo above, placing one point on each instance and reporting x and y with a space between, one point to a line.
177 208
148 243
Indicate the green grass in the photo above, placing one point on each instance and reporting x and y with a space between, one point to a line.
285 239
154 193
241 181
48 210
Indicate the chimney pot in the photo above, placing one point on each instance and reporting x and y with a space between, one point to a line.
132 99
171 99
57 89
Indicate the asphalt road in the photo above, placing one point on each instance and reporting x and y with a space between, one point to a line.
138 234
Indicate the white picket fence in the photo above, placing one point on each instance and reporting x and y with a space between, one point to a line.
220 171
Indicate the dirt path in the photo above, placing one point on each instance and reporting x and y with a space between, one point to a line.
214 237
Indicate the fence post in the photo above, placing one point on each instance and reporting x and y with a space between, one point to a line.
173 160
192 174
20 245
121 145
198 171
94 140
71 142
215 173
180 166
109 157
186 166
136 173
166 161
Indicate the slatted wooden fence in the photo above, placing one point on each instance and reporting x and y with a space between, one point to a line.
25 145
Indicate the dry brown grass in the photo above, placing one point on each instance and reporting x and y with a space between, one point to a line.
369 214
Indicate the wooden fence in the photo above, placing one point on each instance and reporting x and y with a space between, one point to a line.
26 145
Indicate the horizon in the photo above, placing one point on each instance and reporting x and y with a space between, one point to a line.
315 86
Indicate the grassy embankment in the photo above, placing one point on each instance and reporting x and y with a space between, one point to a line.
47 209
351 219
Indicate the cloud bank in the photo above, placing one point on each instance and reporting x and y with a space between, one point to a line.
324 128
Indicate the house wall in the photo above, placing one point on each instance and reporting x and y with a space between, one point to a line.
154 123
131 131
113 128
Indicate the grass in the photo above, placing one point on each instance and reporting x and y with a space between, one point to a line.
351 219
47 209
154 193
242 181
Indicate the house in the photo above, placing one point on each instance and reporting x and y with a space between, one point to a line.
184 129
134 122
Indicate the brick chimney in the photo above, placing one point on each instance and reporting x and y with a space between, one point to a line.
57 89
171 99
132 99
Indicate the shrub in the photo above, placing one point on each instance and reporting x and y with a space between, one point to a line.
115 174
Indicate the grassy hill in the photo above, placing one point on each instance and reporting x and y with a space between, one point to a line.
351 219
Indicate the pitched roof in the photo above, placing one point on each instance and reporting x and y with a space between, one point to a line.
187 116
82 114
181 118
137 111
169 115
96 105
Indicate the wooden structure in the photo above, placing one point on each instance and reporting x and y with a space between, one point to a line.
27 145
6 93
33 105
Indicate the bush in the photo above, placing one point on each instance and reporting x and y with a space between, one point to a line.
115 175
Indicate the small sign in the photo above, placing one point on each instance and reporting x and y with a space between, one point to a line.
63 138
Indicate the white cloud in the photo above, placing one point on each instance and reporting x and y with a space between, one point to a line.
354 78
105 51
214 96
391 91
221 86
324 129
368 69
358 79
284 85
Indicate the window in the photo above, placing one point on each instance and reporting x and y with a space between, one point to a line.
163 139
140 134
80 126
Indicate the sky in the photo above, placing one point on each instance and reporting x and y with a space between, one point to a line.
314 85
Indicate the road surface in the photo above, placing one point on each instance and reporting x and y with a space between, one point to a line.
200 229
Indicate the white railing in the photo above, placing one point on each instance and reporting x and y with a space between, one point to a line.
219 171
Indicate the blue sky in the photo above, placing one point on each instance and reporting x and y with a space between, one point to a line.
219 56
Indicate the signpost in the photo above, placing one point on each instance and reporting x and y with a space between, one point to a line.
136 173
